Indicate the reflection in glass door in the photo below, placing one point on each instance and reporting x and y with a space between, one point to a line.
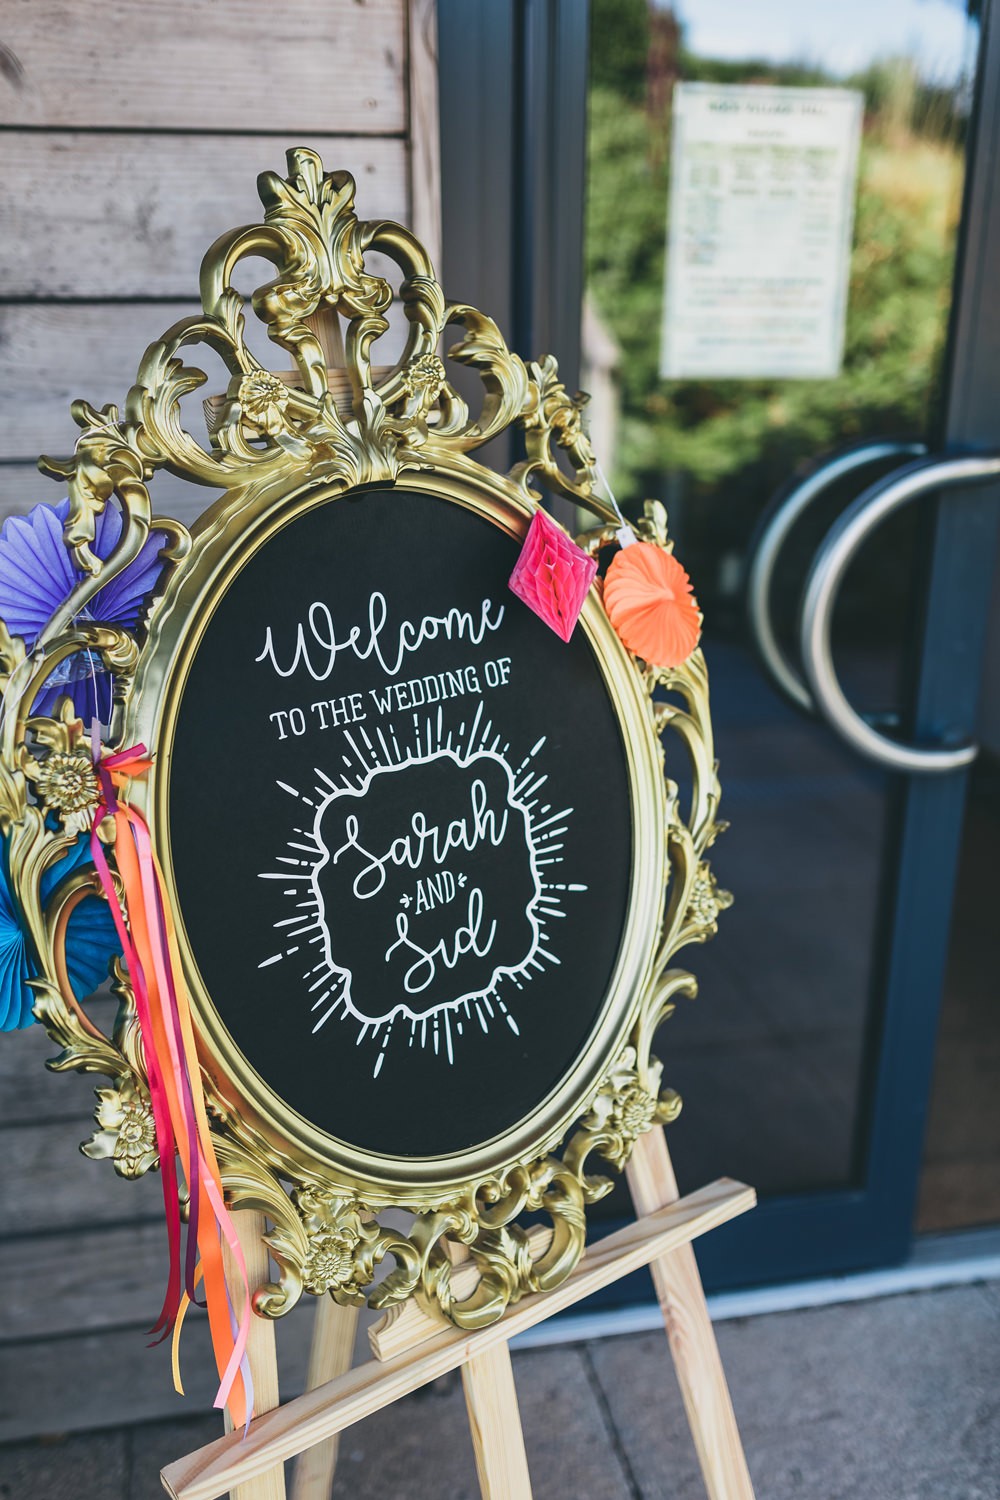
705 162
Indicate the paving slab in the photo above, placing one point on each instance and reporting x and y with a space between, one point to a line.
153 1445
84 1465
895 1399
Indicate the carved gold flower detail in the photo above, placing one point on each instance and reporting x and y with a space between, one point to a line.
330 1262
634 1111
625 1107
127 1131
334 1229
67 785
263 399
425 377
707 900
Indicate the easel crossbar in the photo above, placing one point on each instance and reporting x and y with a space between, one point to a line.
280 1434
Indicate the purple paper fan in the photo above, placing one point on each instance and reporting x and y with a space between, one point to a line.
37 575
36 572
120 601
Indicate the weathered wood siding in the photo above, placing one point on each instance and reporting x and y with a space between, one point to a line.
132 134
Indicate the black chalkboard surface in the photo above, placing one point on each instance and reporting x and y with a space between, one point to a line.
400 826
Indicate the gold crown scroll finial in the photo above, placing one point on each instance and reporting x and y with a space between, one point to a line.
269 430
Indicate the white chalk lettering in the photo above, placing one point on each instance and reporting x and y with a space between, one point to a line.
434 890
317 645
411 848
467 939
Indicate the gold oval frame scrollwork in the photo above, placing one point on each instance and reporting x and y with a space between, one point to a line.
280 445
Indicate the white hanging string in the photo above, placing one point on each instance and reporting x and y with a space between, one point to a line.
625 535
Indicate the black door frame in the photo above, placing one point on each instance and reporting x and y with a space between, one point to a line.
513 112
513 77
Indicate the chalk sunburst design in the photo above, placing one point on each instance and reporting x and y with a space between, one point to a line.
304 935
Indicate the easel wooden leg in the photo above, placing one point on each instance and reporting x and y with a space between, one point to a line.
495 1424
231 1462
331 1354
689 1329
261 1350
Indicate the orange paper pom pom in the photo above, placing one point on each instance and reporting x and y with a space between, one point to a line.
648 598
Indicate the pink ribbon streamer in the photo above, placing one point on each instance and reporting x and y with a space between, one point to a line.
161 988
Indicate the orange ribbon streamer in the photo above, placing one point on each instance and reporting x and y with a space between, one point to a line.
149 943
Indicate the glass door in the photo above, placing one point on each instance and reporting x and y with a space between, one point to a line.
777 265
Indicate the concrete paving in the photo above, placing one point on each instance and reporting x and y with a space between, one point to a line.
893 1399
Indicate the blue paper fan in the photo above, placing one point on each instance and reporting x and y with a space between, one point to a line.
37 575
91 941
16 999
91 937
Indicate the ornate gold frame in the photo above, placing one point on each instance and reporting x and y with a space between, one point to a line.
279 447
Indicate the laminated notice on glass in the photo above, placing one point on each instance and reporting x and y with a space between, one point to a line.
761 208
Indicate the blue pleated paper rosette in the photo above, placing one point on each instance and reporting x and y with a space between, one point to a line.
91 941
37 575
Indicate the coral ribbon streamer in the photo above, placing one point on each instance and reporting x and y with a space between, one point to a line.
149 944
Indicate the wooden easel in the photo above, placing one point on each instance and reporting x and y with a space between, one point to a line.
413 1348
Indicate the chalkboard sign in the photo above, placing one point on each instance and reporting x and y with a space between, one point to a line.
399 821
419 881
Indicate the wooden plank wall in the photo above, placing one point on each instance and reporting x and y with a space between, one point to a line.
132 135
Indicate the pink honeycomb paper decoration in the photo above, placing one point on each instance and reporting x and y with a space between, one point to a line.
552 575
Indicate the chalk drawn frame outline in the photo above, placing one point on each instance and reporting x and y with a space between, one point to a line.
393 767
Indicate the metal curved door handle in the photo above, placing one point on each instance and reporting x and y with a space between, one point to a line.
771 539
829 566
